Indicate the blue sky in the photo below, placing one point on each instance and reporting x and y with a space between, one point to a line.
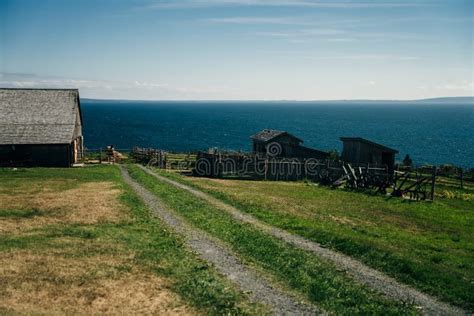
240 49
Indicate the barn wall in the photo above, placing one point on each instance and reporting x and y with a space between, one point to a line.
370 154
359 152
351 151
259 147
35 155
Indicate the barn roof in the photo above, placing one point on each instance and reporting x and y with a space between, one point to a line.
371 143
267 135
38 116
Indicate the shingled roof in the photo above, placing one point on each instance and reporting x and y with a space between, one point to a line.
267 135
38 116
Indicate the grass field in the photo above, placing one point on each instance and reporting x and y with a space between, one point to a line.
78 241
427 244
318 281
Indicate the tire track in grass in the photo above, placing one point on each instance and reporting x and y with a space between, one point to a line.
358 270
225 261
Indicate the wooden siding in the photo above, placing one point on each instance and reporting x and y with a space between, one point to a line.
55 155
360 152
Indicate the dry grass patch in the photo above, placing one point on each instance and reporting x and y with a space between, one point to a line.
79 241
87 203
70 274
51 284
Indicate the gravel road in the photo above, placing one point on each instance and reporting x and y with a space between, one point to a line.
226 262
358 270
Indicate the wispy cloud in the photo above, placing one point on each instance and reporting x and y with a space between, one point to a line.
121 89
461 85
146 84
261 20
322 21
21 80
338 35
330 20
318 28
373 57
303 33
342 39
338 4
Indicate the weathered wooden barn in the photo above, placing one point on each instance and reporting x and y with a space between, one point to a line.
360 150
283 145
40 127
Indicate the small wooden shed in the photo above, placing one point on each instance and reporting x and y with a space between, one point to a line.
361 150
282 144
40 127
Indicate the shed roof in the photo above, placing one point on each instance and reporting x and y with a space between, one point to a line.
267 135
371 143
38 116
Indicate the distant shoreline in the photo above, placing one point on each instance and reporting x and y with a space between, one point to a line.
441 100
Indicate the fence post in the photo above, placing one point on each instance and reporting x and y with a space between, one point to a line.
327 168
266 168
433 181
100 155
462 178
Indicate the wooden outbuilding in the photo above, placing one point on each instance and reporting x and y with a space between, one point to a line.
40 127
363 151
282 144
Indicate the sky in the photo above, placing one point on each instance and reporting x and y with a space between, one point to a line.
240 49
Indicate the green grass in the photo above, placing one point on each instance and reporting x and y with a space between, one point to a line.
319 281
426 244
153 246
21 213
165 253
59 179
180 161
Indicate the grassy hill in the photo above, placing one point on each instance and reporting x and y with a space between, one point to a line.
426 244
80 241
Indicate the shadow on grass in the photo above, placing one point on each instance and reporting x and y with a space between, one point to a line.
11 213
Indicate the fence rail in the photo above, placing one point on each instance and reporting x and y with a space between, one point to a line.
378 178
415 183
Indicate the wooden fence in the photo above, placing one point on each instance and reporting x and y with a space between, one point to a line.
453 177
334 173
289 169
414 183
163 159
149 156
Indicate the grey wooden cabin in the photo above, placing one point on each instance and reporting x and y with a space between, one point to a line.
362 151
40 127
288 146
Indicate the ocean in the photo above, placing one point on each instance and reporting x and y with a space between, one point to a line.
429 133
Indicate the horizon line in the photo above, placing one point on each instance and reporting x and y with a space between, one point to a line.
281 100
